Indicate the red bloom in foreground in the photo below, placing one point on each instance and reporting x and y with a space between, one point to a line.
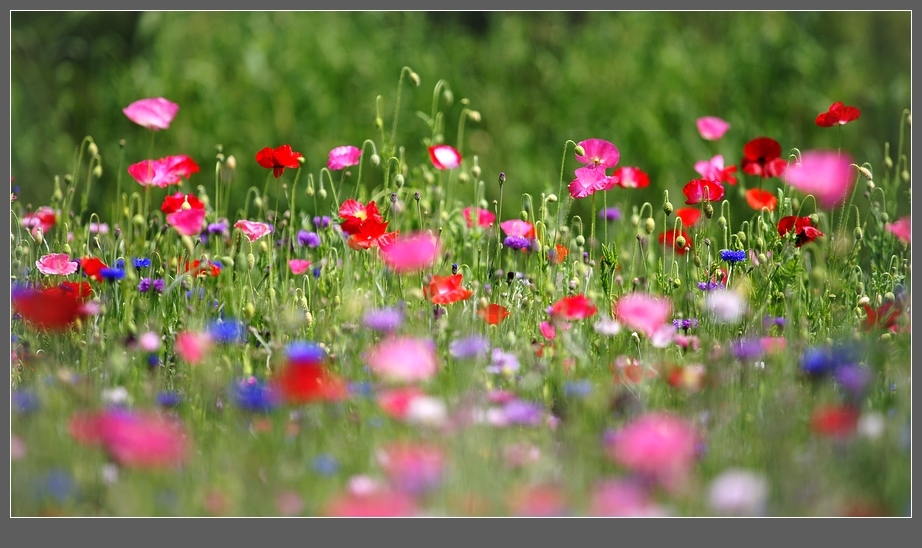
446 290
493 314
372 233
92 267
133 439
688 215
882 317
174 203
762 157
838 114
671 236
353 214
702 190
802 227
278 159
757 199
299 383
51 308
574 307
835 421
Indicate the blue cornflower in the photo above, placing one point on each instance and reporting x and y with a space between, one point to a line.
309 239
141 262
304 351
120 264
516 242
23 401
112 274
316 272
325 465
364 389
169 399
732 256
254 395
227 331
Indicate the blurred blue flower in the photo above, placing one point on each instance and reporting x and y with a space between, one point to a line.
254 395
169 399
23 401
227 331
305 351
325 465
112 274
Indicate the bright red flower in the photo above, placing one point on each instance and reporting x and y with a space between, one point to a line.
300 383
494 314
81 290
574 307
631 177
372 233
174 203
278 159
838 114
50 309
757 199
802 227
883 317
91 268
670 236
702 190
446 290
198 269
354 214
835 421
558 255
688 215
762 157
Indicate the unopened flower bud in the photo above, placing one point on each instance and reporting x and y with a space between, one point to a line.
884 217
323 192
580 241
523 215
249 310
680 242
551 198
97 172
502 178
871 186
697 261
864 301
416 196
475 171
888 162
258 202
379 123
310 190
473 115
814 219
463 177
649 225
398 180
742 236
667 208
579 150
414 78
375 159
301 160
251 261
865 172
93 149
231 162
889 297
138 219
858 233
905 175
762 258
708 210
635 219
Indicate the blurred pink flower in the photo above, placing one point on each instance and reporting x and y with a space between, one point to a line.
825 174
253 230
444 156
726 305
396 402
712 128
44 218
476 216
298 266
414 468
622 498
163 172
404 359
132 438
58 264
598 153
738 492
657 445
902 228
187 222
344 156
411 253
156 113
643 312
192 346
538 501
379 503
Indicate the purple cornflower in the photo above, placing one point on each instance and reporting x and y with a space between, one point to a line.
321 222
503 363
516 242
710 286
685 323
221 227
732 256
746 350
522 412
158 285
384 320
769 320
469 347
610 214
309 239
854 379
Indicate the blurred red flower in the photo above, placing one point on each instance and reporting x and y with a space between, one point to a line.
446 290
493 314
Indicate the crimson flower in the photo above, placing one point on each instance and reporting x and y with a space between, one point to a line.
671 236
838 114
174 203
446 290
493 314
278 159
303 382
757 199
92 267
631 177
688 215
702 190
51 308
762 157
354 214
835 421
802 227
372 233
198 268
882 317
574 307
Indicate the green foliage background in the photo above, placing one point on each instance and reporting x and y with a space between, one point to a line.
638 79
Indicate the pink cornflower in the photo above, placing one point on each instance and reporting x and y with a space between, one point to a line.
298 266
344 156
825 174
476 216
598 153
411 253
187 222
444 156
155 114
163 172
133 439
902 228
404 359
589 180
656 445
711 128
253 230
57 264
643 312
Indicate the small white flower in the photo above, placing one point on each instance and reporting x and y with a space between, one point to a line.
116 396
726 305
738 492
871 425
427 410
607 326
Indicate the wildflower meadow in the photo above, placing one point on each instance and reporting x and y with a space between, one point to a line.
390 328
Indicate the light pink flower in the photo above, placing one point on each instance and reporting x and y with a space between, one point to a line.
827 175
187 222
622 498
253 230
589 180
192 346
598 153
380 503
902 228
155 114
518 228
738 492
476 216
149 341
163 172
133 439
44 218
726 305
344 156
711 169
57 264
658 445
643 312
413 468
411 253
712 128
404 359
444 156
298 266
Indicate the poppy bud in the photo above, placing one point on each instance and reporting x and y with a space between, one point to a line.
551 198
375 160
865 172
57 194
463 177
676 283
858 233
889 297
762 258
635 219
580 241
579 150
475 171
888 162
759 243
502 179
649 225
379 123
864 301
884 217
97 172
905 175
814 219
249 310
708 210
310 190
680 242
523 215
138 219
323 192
742 236
251 261
697 261
667 208
92 149
227 260
231 162
67 248
258 202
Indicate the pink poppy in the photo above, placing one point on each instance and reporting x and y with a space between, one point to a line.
631 177
622 498
825 174
902 228
404 359
714 170
58 264
133 439
643 312
43 218
192 346
657 445
476 216
344 156
598 153
518 228
444 156
589 180
298 266
253 230
187 221
411 253
414 468
163 172
155 114
396 402
712 128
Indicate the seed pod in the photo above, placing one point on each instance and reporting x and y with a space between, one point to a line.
649 225
251 261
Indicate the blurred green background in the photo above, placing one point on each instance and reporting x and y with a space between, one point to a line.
637 79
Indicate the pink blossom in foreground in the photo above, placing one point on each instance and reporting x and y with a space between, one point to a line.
396 402
414 468
133 438
155 113
827 175
187 222
643 312
344 156
163 172
738 492
476 216
590 180
444 156
656 445
411 253
622 498
403 359
902 228
298 266
377 503
598 153
192 346
253 230
712 128
57 264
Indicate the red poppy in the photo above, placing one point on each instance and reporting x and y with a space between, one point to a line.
838 114
762 157
688 215
670 236
558 255
883 317
354 214
308 382
372 233
802 227
702 190
196 268
574 307
494 314
446 290
92 267
174 203
631 177
757 199
50 309
81 290
278 159
836 421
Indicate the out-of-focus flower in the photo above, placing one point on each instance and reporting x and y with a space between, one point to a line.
411 253
187 222
444 156
477 216
403 359
712 128
133 439
762 157
727 306
826 174
737 492
642 312
153 113
446 290
630 177
657 445
902 228
344 156
161 173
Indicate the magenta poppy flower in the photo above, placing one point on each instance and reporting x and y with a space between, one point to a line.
631 177
43 218
253 230
902 228
403 359
411 253
643 312
444 156
598 153
132 438
155 114
58 264
298 266
477 216
712 128
187 222
163 172
590 180
838 114
656 445
344 156
827 175
702 190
